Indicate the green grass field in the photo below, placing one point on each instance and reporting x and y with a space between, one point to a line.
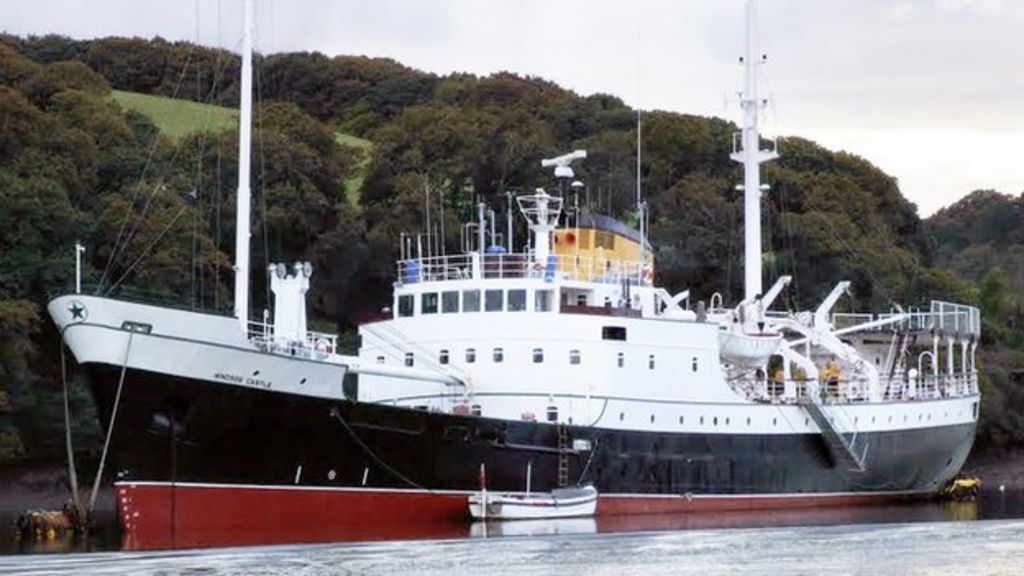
178 118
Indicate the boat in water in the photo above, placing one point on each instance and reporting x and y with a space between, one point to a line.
565 355
572 502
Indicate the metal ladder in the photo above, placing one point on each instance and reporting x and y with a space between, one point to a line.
839 447
563 456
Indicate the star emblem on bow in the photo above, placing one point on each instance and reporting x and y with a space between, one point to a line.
78 311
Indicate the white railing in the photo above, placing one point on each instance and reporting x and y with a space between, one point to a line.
945 317
522 265
848 391
316 344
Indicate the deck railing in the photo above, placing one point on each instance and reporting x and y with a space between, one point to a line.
315 345
522 265
945 317
847 391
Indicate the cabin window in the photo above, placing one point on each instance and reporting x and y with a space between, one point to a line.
499 355
693 364
475 410
552 413
470 355
409 361
581 299
542 300
516 300
650 362
621 360
574 357
470 300
405 305
493 300
450 301
443 357
380 360
604 240
613 333
538 355
428 304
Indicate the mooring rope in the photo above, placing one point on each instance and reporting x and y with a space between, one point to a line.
337 415
110 426
72 472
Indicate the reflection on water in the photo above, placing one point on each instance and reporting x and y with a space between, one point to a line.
989 506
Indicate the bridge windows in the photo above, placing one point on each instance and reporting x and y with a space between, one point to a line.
442 357
450 301
499 355
517 300
428 304
470 300
538 355
470 355
406 302
409 360
574 357
494 300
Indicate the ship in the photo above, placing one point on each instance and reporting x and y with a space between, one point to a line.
563 357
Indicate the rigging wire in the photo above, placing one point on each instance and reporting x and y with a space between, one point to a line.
118 245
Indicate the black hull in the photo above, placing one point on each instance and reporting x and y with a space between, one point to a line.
170 429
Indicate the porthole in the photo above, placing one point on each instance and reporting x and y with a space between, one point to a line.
538 355
918 417
498 355
256 373
652 418
807 421
872 419
622 416
301 382
552 413
693 364
775 421
442 357
726 421
475 410
904 417
701 420
682 419
331 474
409 361
470 355
890 419
856 420
748 421
650 362
621 359
574 357
714 421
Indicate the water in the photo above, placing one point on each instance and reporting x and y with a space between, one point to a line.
931 538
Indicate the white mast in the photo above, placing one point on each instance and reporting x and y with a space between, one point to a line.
244 142
639 200
751 156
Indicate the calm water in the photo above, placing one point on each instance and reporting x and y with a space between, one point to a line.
976 538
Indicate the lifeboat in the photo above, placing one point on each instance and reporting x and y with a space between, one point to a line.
748 350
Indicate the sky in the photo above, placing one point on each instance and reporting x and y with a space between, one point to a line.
930 91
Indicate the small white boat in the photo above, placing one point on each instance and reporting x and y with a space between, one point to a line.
559 503
750 350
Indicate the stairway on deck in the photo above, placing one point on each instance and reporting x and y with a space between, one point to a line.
838 446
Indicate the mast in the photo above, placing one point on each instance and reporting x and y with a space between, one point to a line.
244 157
639 199
751 156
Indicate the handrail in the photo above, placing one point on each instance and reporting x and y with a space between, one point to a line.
522 265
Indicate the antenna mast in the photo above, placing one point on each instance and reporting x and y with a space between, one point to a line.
751 156
244 156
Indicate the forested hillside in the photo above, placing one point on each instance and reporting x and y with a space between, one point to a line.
155 209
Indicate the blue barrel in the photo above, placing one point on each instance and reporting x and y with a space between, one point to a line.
552 266
411 272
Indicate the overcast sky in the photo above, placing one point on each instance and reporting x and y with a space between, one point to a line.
931 91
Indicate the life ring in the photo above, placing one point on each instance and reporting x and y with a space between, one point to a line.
322 346
570 238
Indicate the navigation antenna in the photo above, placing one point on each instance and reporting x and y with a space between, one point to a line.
747 151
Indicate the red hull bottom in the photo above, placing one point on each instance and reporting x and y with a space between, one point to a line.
156 515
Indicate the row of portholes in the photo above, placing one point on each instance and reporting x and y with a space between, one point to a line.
775 421
498 356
